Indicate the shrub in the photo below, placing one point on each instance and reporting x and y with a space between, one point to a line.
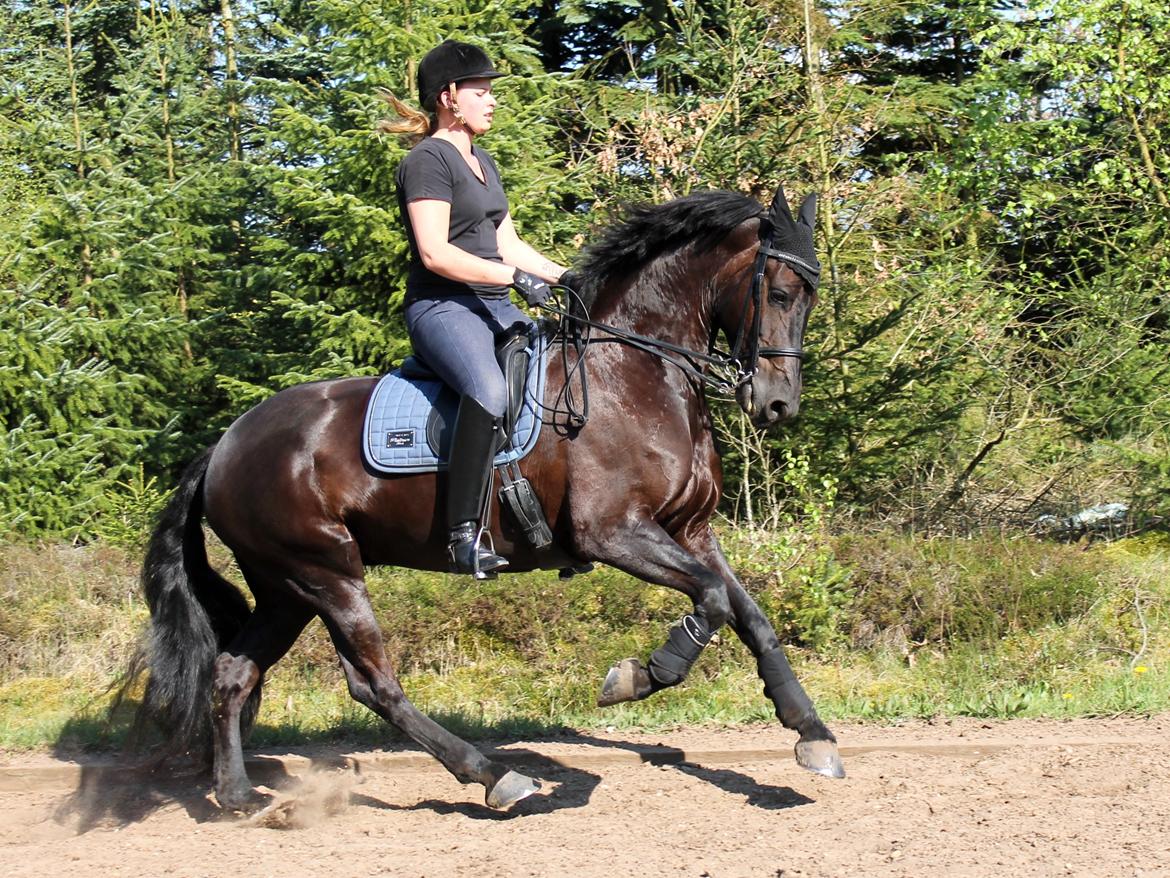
949 590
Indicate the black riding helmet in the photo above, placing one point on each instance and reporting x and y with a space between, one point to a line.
450 61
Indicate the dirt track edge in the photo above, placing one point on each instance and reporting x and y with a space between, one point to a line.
66 774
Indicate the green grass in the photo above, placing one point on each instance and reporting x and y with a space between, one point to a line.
880 627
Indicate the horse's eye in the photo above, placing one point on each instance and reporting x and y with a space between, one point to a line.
777 296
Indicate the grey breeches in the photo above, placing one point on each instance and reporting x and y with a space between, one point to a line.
456 336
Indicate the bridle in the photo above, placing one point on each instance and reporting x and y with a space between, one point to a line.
746 347
724 372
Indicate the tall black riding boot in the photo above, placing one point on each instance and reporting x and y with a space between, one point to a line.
469 466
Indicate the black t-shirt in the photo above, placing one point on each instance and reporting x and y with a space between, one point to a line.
435 169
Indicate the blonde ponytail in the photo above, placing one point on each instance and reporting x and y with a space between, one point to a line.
411 123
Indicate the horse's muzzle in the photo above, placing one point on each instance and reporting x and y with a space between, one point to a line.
765 405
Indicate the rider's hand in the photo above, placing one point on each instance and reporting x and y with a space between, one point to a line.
532 289
570 279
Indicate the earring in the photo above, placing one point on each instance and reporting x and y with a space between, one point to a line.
455 111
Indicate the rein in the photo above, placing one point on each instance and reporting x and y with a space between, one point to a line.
745 349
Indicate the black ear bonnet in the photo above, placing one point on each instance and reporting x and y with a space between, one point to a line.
792 240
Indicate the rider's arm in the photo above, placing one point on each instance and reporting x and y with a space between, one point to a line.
515 252
431 221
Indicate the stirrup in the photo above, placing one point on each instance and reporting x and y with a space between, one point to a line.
467 555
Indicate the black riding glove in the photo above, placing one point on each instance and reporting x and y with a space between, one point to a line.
532 289
570 279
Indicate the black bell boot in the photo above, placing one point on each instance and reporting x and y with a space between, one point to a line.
469 466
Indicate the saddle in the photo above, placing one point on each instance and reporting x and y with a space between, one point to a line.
411 413
514 357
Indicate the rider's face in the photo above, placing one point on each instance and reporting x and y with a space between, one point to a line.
476 103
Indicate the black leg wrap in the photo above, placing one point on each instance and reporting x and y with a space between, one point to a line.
781 685
670 664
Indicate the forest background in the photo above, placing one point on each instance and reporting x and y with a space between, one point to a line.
199 213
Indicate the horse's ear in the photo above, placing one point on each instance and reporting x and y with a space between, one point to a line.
808 211
779 209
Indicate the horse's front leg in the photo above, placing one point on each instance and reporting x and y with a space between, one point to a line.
630 680
648 552
816 749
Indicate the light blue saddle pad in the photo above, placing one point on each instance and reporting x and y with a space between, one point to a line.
395 439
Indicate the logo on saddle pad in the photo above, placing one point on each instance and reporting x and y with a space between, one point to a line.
400 439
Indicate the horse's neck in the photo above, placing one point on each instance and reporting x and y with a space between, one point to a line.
671 305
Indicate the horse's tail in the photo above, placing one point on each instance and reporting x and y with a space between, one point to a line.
194 614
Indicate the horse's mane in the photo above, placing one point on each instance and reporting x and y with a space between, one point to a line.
646 230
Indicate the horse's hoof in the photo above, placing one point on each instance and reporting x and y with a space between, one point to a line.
820 756
510 789
243 800
575 570
628 680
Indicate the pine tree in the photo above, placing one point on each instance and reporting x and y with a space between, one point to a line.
89 260
328 270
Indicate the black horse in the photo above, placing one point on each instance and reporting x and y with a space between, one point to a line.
287 491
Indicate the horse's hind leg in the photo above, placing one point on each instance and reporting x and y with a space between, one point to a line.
272 628
372 682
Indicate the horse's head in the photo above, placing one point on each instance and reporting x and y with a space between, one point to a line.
764 309
672 277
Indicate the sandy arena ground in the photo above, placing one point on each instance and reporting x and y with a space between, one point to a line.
962 798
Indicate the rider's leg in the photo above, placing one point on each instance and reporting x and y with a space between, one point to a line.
456 337
469 467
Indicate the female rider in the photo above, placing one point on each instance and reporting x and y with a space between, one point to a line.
465 254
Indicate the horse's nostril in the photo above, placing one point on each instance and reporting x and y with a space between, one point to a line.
779 410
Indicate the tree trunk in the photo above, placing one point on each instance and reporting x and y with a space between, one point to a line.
231 79
826 216
78 137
